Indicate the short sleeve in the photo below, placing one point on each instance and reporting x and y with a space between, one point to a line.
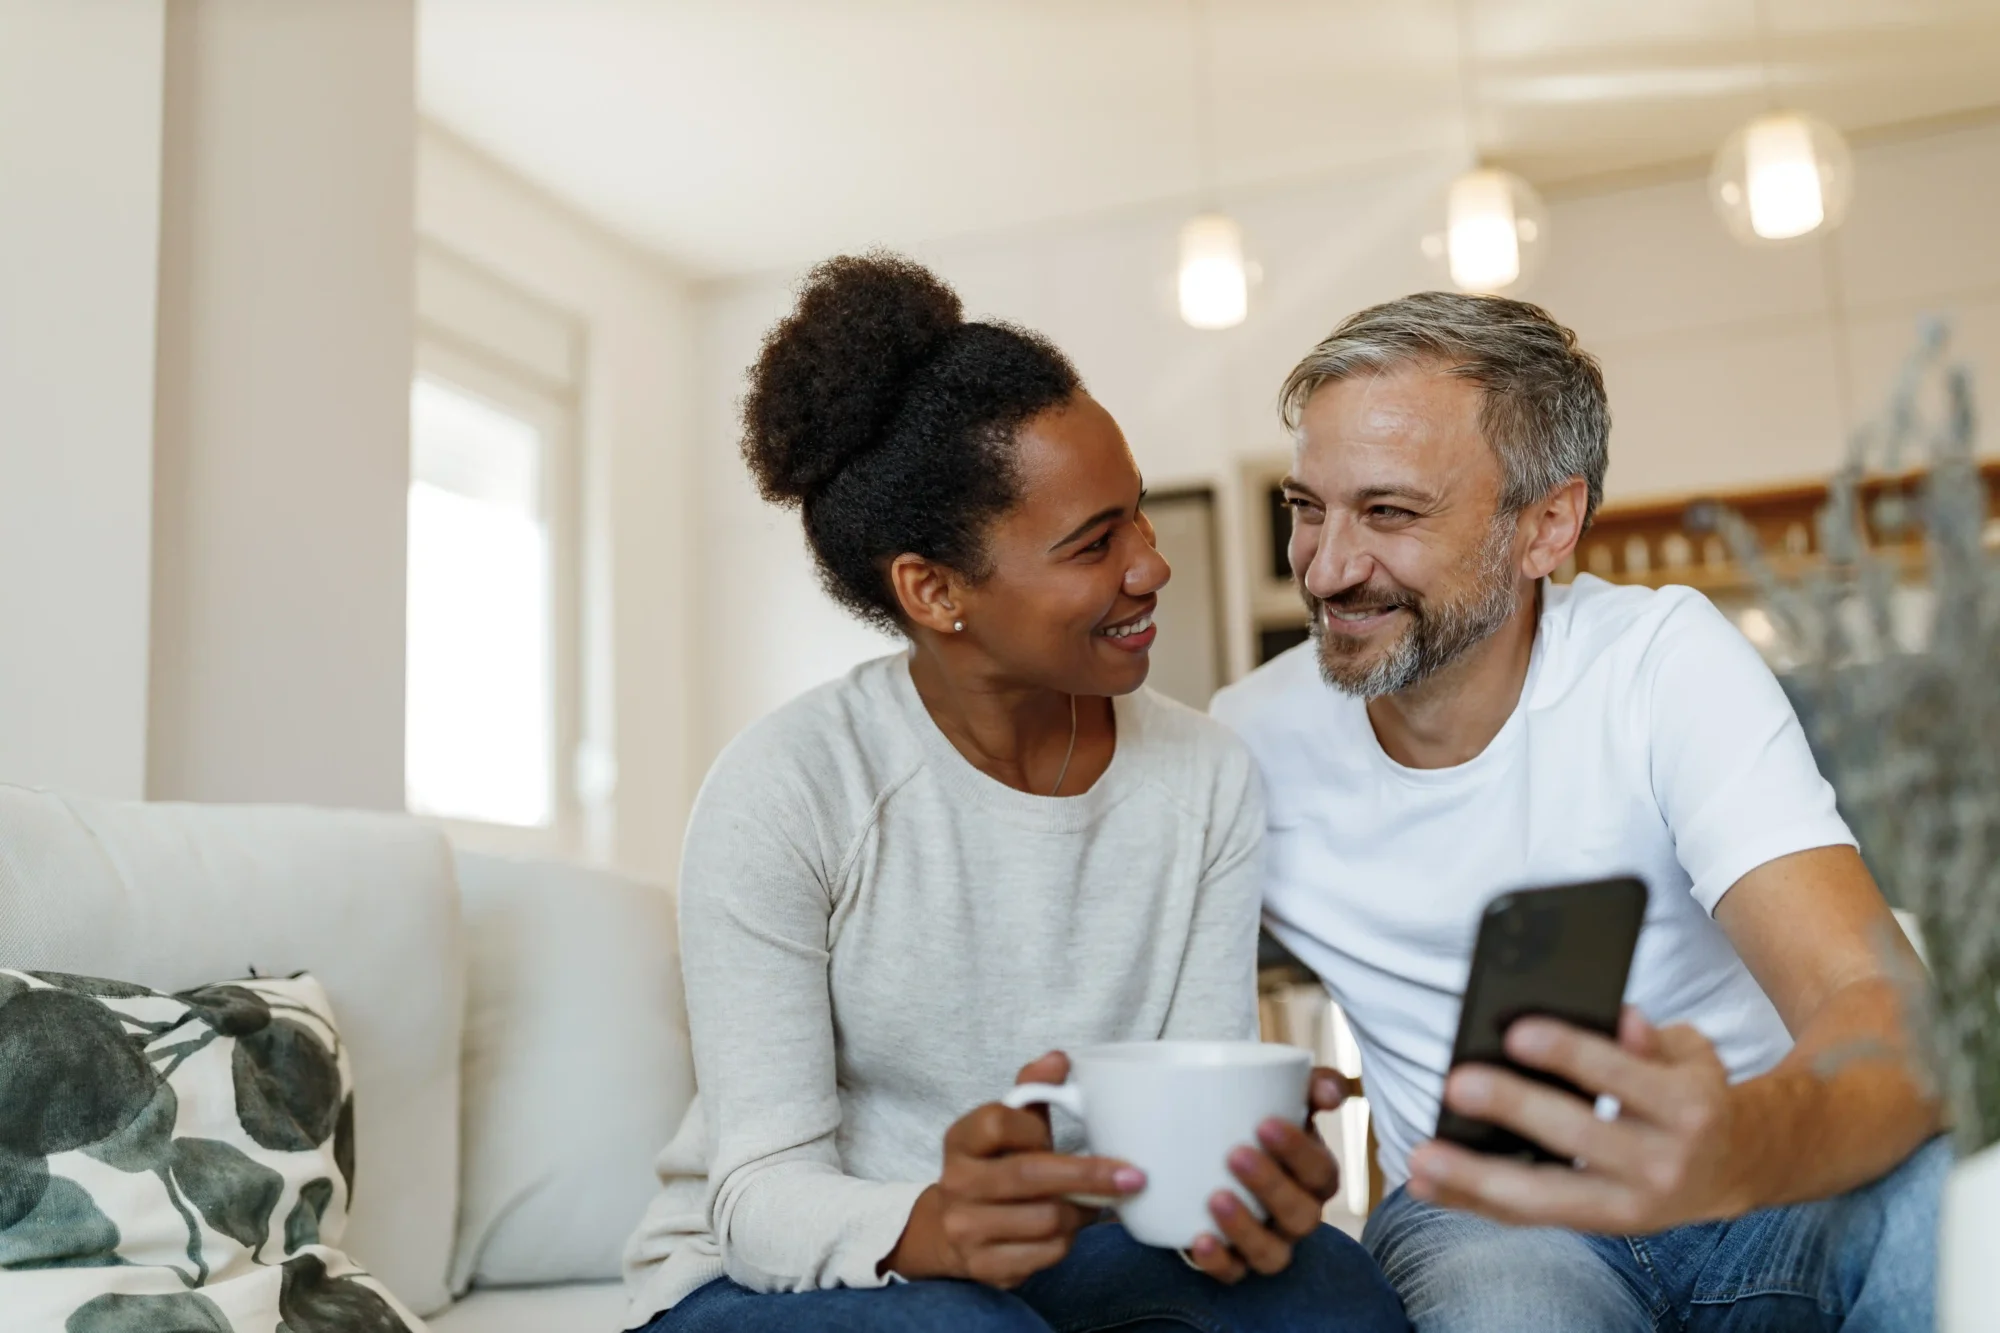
1730 766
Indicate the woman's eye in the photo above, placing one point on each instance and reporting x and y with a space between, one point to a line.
1101 544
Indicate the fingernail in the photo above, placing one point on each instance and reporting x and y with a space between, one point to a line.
1271 1133
1205 1245
1224 1204
1242 1159
1128 1179
1530 1038
1471 1088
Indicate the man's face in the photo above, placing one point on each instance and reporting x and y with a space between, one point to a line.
1398 545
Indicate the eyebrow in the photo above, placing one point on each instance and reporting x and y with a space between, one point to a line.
1101 516
1367 494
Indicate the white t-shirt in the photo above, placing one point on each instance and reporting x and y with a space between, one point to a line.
1650 739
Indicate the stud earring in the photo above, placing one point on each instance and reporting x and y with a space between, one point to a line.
958 627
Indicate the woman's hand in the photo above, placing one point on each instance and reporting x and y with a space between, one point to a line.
1000 1213
1293 1177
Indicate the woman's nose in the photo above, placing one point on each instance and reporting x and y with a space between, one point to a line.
1148 574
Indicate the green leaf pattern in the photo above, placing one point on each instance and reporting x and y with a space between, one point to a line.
236 1098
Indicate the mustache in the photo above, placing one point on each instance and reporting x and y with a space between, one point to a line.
1366 594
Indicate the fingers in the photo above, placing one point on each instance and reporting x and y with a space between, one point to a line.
1293 1211
1213 1256
1050 1068
993 1130
1256 1244
1564 1124
1303 1155
1637 1035
1009 1265
1517 1193
1039 1175
1329 1090
1590 1061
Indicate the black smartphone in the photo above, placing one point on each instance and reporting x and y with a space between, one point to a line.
1559 953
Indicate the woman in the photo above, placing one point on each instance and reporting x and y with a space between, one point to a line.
901 885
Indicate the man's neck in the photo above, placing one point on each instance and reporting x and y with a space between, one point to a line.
1451 718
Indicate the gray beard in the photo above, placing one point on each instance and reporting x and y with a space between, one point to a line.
1438 635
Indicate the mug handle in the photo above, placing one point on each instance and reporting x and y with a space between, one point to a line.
1070 1098
1066 1095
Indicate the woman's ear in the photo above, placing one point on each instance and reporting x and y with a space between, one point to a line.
927 592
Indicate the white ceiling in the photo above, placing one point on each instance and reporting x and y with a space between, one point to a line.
734 135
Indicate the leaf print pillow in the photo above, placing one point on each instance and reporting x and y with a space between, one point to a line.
178 1162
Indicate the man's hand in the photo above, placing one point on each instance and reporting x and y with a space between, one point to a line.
1001 1210
1293 1177
1673 1154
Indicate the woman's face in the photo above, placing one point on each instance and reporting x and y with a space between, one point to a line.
1074 576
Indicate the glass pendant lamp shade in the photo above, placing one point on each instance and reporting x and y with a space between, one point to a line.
1496 228
1782 176
1214 283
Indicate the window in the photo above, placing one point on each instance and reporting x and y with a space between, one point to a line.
479 740
493 703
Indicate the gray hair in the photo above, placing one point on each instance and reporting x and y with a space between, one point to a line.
1544 412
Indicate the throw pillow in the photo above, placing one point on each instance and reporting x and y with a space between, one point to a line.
177 1163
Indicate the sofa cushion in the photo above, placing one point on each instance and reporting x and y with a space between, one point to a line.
577 1067
169 1161
174 896
590 1307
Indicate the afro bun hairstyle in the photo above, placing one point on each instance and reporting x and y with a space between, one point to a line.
890 421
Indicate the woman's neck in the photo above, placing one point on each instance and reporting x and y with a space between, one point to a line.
1016 734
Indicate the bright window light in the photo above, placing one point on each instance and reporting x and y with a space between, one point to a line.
479 724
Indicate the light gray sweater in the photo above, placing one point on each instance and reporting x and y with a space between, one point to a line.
876 936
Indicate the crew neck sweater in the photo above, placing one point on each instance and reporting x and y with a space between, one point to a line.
875 937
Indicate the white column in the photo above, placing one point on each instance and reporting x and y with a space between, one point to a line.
79 231
282 458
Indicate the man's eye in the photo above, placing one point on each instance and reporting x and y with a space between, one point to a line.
1390 511
1298 503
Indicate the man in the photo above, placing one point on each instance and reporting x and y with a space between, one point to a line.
1459 726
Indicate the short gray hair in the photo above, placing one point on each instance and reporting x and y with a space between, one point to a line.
1544 412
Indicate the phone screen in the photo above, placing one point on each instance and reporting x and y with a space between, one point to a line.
1562 953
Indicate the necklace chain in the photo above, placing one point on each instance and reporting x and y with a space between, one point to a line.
1071 752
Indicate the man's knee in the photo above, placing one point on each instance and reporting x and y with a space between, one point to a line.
1458 1273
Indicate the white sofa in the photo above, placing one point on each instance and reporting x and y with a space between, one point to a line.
517 1029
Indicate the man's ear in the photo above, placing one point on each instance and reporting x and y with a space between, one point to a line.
928 593
1555 526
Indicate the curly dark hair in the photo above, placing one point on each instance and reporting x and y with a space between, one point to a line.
890 421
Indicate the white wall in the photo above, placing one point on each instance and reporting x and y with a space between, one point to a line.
637 411
282 444
79 235
1721 361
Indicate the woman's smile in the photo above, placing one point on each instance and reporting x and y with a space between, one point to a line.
1135 634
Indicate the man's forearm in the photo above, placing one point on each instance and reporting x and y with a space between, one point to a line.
1847 1105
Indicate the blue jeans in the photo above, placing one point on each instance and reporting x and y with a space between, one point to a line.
1109 1281
1862 1263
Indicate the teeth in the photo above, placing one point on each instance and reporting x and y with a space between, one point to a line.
1138 626
1369 614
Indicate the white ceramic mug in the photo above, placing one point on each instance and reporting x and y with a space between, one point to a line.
1176 1110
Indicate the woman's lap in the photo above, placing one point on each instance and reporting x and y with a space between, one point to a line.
1109 1281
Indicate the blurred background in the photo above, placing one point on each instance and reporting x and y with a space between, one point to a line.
368 369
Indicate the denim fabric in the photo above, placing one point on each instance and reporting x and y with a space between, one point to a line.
1109 1281
1862 1262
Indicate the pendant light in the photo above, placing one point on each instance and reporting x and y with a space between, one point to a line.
1214 284
1495 225
1783 175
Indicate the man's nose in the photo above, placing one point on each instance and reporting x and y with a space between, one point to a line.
1338 562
